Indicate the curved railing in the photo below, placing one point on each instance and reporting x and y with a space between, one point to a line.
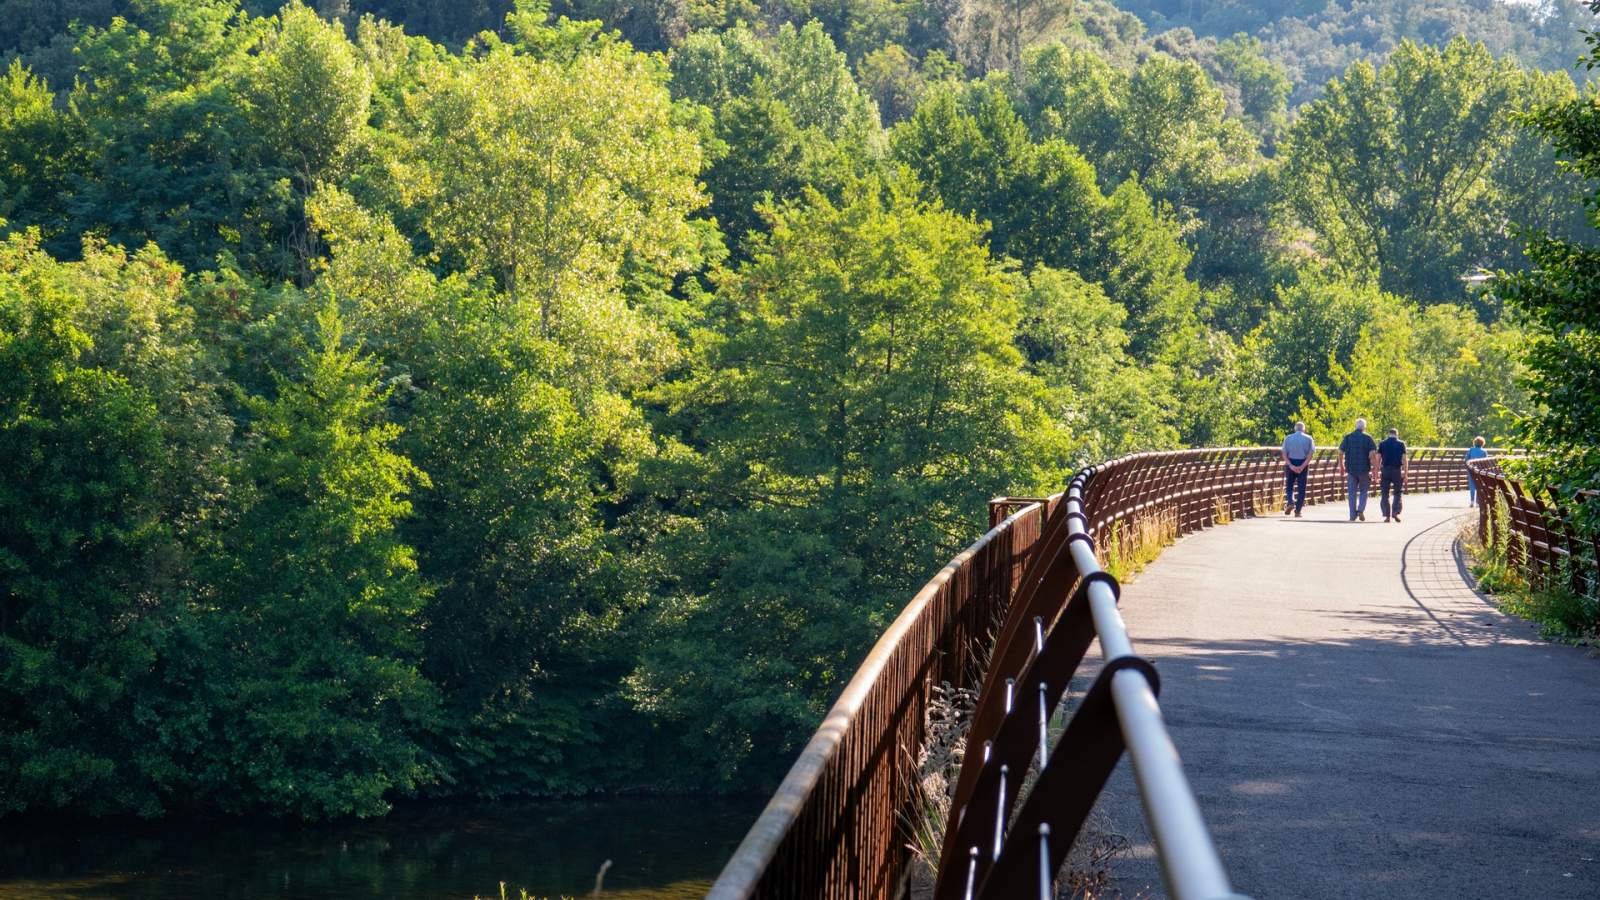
1548 547
833 828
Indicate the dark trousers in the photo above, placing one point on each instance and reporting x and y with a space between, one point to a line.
1389 479
1294 485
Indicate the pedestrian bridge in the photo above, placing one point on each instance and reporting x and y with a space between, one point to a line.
1352 719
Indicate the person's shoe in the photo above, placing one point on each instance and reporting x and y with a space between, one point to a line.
1352 518
1397 517
1287 509
1362 516
1386 518
1297 514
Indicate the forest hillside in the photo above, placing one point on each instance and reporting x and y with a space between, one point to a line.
404 398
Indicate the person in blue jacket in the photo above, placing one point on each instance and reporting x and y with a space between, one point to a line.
1476 452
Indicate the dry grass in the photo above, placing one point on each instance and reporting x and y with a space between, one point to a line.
1264 501
938 763
1136 542
1221 510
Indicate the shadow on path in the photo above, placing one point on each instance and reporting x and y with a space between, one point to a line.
1358 722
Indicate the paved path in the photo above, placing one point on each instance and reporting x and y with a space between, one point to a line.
1358 723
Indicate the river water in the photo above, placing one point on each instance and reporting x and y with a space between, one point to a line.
660 849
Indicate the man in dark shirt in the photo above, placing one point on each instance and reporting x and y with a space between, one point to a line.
1396 466
1356 455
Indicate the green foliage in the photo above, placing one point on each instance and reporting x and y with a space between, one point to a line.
1494 567
316 606
1555 299
509 411
1263 84
1044 207
109 438
1072 335
787 113
1314 40
863 398
175 158
519 632
1164 124
1399 171
1382 384
544 175
309 95
40 150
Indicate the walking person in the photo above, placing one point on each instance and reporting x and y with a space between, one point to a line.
1357 454
1476 451
1396 466
1296 452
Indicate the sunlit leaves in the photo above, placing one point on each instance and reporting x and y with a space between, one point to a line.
1412 173
311 93
547 177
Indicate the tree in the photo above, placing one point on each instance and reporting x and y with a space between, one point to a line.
114 460
1263 84
1045 208
991 35
1164 124
787 113
546 175
1555 298
1471 374
864 397
529 588
310 94
1312 326
1382 384
41 149
1394 170
317 602
1072 336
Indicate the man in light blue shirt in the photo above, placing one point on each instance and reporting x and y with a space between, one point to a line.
1297 450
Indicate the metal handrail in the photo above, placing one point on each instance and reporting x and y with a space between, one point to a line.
830 831
803 844
1120 713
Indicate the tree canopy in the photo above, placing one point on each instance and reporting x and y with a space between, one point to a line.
406 398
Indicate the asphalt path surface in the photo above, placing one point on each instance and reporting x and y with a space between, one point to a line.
1357 722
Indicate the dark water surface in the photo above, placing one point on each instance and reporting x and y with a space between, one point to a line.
660 848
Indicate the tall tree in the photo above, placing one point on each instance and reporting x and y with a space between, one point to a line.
546 174
114 450
865 397
41 150
1558 298
317 601
1395 169
1164 123
1045 208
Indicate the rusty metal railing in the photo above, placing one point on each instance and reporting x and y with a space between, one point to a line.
1548 548
832 830
1193 489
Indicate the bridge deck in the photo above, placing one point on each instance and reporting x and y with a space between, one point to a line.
1358 723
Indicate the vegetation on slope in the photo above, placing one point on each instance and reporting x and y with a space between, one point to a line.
524 412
